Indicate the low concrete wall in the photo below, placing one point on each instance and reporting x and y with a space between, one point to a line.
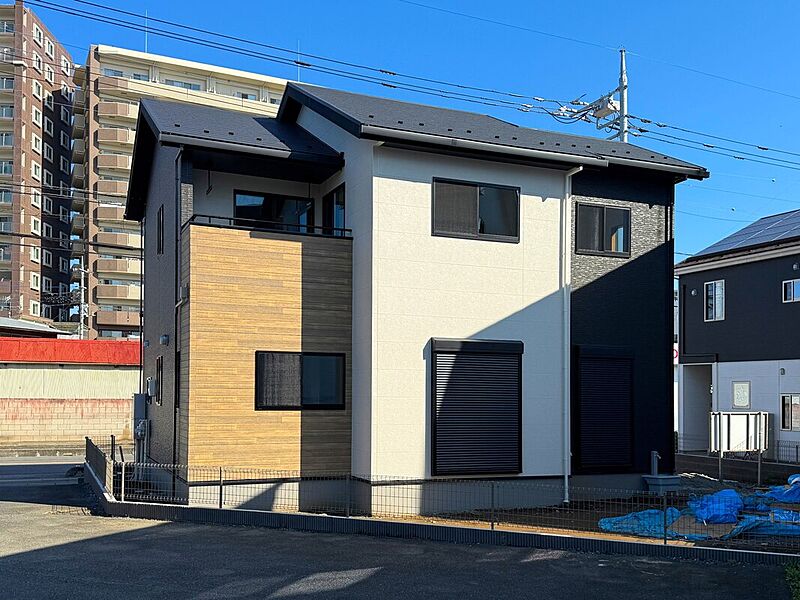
735 469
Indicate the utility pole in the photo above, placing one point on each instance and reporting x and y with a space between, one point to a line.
82 329
623 97
609 112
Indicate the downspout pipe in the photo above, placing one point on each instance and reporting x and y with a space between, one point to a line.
566 292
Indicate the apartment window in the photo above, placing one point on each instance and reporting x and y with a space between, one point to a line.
473 210
6 167
35 281
715 300
285 213
186 85
36 197
48 126
36 143
63 214
48 152
38 35
49 73
36 170
65 140
603 230
63 265
36 226
6 83
476 391
140 76
47 284
5 224
36 116
35 308
108 72
47 258
5 196
49 48
790 412
245 96
159 398
7 111
5 252
36 255
160 230
6 139
64 165
36 89
299 380
6 26
333 212
791 290
48 178
63 237
740 394
47 230
65 115
37 62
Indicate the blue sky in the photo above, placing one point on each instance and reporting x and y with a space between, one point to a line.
739 40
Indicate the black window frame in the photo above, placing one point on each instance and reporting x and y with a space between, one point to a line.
302 406
160 230
508 239
159 380
328 211
274 225
605 207
787 397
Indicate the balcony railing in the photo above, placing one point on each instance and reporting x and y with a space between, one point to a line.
278 226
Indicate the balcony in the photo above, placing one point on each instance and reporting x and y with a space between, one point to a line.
78 151
124 244
110 215
80 101
114 162
118 268
111 187
79 77
118 292
78 125
78 175
78 201
126 318
117 110
115 136
78 225
5 257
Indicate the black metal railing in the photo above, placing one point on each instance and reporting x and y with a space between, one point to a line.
272 226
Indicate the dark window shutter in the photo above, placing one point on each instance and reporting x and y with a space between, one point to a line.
477 400
605 412
277 379
455 208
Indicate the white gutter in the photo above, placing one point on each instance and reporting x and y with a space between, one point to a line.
441 140
565 281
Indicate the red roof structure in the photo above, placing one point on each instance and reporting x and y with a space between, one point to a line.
67 351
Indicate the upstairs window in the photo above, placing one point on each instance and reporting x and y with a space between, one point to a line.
602 230
294 380
476 211
333 212
790 412
186 85
275 211
791 290
715 300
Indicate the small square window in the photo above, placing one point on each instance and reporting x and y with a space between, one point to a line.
294 380
603 230
472 210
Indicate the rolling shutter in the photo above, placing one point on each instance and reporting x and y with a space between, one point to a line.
605 411
476 408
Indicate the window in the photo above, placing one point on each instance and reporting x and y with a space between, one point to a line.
36 254
285 213
48 152
36 89
299 380
36 143
741 394
36 197
35 281
66 67
47 230
5 252
36 170
47 284
790 412
6 139
791 290
64 165
48 126
183 84
37 34
35 308
476 387
48 99
6 26
7 111
49 73
47 258
6 83
333 212
471 210
63 265
36 226
160 230
65 139
37 62
5 224
49 47
715 300
63 214
48 178
36 116
65 115
159 397
602 230
6 167
245 95
5 196
140 76
108 72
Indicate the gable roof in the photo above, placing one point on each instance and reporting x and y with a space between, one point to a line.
373 117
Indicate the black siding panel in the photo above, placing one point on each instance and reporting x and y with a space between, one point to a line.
476 413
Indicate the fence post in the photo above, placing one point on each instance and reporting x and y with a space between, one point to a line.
113 448
122 484
221 488
719 444
664 507
760 453
491 512
349 495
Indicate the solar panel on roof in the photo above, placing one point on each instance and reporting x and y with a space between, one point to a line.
774 228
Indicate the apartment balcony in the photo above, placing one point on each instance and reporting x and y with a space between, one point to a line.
115 136
118 268
5 207
124 244
111 216
117 318
78 225
114 162
79 77
78 125
111 187
78 175
78 151
6 91
110 292
80 101
117 110
78 201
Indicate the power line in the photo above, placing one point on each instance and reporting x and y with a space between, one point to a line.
683 212
713 189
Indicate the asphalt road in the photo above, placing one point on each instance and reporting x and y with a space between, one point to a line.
51 546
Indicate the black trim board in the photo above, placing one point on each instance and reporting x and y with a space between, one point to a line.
481 346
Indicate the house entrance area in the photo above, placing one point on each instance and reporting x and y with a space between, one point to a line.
695 408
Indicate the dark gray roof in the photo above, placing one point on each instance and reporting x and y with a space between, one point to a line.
767 231
354 112
205 125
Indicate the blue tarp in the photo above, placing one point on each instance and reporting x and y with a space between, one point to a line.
722 507
649 523
788 495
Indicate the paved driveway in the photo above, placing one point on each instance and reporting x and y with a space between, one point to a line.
52 547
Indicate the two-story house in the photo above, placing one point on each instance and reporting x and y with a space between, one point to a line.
739 318
392 289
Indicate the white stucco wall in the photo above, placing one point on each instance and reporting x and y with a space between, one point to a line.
218 201
427 286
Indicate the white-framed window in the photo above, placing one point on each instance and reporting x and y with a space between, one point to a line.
109 72
47 230
64 165
6 167
36 254
38 34
48 126
49 73
36 197
47 258
46 311
7 111
47 284
6 83
67 92
65 115
740 394
63 214
65 140
714 294
35 308
47 178
7 26
36 281
47 205
63 264
6 139
36 89
66 66
6 196
38 63
186 85
791 290
63 237
48 152
36 116
63 288
49 47
36 170
36 143
48 99
36 226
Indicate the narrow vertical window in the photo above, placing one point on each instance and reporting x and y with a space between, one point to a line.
715 300
333 208
160 231
159 380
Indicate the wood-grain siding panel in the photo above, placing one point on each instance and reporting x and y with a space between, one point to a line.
255 291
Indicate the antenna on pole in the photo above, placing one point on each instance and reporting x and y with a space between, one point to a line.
609 106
